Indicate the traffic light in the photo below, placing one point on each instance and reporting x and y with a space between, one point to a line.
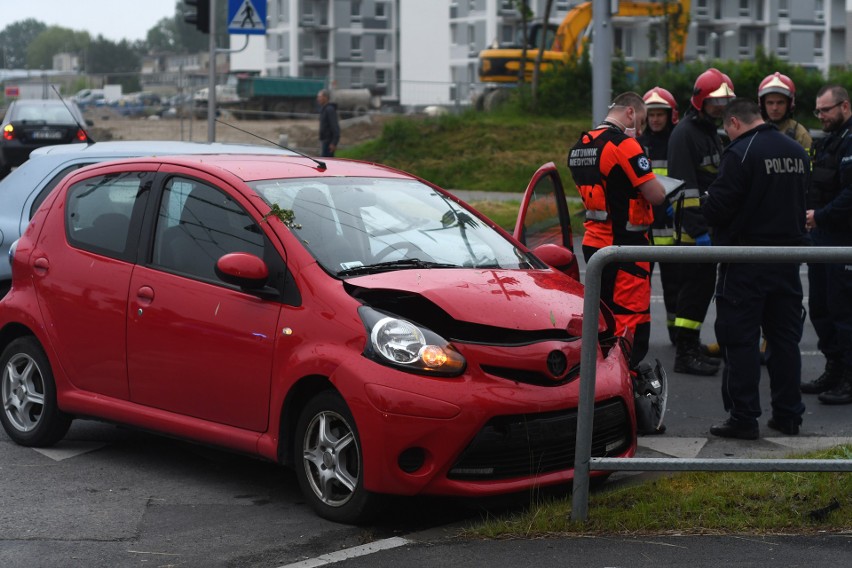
198 14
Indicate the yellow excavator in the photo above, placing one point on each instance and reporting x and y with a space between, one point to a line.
501 65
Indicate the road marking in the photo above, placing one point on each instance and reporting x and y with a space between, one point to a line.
69 449
347 553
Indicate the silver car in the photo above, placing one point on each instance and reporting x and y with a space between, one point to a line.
23 190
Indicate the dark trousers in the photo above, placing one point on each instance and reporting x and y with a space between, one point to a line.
697 282
670 279
325 151
749 296
830 300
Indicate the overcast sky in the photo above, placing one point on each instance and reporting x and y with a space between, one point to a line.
113 19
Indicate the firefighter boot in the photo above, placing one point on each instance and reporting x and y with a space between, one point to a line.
688 358
827 380
842 392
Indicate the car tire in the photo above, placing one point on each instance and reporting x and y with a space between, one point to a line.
329 463
30 414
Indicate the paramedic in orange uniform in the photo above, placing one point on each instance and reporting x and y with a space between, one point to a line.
614 177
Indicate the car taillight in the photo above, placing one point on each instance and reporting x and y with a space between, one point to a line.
81 135
9 132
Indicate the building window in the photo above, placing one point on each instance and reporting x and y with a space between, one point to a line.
381 43
744 43
381 77
355 10
507 34
783 8
308 12
308 46
381 10
472 5
744 8
356 78
355 47
701 8
562 6
701 42
471 38
819 10
818 37
783 44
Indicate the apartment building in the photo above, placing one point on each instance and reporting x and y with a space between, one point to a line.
425 51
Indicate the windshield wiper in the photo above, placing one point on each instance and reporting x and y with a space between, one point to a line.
401 264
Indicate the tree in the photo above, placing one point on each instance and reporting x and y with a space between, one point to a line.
52 41
523 7
14 40
119 59
545 21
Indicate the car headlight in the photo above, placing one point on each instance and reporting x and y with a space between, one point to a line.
408 346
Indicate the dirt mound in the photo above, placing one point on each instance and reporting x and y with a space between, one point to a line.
300 134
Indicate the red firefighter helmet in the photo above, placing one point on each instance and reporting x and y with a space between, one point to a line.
777 83
658 97
714 86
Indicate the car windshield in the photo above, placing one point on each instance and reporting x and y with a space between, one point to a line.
355 226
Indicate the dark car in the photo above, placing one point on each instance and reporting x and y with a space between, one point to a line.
32 123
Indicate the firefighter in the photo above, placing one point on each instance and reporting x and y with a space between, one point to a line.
758 199
695 151
829 220
777 98
662 118
618 187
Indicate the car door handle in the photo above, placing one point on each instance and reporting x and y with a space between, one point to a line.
145 295
41 265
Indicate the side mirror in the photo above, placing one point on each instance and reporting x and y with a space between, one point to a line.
242 269
559 258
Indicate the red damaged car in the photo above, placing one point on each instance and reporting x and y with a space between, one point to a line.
345 319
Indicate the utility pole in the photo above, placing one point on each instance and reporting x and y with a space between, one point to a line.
211 76
602 11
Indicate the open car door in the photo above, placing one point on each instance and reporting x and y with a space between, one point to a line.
544 224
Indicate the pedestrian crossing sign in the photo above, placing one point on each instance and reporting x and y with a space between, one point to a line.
247 17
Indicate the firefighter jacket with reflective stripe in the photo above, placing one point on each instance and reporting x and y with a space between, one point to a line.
758 199
831 187
695 151
607 167
656 145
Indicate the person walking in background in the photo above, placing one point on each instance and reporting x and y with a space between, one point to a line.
829 220
758 199
329 126
662 118
695 151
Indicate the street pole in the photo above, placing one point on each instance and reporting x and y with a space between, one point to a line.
601 59
211 76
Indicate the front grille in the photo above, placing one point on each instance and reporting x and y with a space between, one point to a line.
533 444
531 377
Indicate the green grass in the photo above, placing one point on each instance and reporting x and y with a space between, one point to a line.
475 151
697 503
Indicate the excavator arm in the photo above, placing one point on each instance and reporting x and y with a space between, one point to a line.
502 65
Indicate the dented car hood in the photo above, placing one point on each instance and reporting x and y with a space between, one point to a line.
511 299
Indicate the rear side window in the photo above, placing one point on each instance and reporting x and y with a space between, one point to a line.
98 213
45 191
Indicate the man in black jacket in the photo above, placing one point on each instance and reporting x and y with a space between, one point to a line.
329 127
758 199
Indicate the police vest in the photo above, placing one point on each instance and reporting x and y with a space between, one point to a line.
825 178
592 174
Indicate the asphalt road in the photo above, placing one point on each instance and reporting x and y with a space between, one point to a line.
111 497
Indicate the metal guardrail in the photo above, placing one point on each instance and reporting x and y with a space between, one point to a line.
583 462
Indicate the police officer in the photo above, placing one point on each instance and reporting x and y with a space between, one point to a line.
662 118
777 97
829 219
618 187
695 151
758 200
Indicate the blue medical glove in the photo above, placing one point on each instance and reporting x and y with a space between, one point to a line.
703 240
670 212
